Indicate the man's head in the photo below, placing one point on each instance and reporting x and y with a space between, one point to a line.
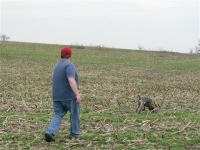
66 52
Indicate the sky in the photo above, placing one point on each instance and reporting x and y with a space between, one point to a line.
170 25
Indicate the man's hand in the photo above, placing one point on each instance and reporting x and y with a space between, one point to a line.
78 99
73 85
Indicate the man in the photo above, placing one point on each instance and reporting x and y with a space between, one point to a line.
65 96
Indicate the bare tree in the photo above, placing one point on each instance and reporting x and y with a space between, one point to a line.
140 47
191 50
197 47
4 37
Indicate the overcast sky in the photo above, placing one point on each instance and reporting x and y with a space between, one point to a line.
172 25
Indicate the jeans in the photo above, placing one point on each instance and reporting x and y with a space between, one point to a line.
60 109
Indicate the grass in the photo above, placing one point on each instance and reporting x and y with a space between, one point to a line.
108 118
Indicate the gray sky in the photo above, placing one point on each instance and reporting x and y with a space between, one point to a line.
172 25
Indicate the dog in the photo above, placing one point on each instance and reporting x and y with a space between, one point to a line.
144 102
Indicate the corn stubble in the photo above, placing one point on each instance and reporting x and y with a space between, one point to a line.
108 117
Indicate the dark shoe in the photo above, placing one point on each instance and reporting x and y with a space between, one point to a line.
49 138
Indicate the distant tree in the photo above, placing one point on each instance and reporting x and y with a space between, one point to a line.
4 37
191 50
140 47
198 47
161 49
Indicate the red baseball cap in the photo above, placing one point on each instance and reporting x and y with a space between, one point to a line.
66 51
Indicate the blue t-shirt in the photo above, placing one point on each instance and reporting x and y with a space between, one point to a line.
61 89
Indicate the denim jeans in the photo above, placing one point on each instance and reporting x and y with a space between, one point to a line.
60 109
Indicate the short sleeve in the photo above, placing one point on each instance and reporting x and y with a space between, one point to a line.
71 71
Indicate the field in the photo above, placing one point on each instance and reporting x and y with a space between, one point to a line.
108 119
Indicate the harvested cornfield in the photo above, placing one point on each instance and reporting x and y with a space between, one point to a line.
107 78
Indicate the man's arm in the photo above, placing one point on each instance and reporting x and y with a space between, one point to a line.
73 85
